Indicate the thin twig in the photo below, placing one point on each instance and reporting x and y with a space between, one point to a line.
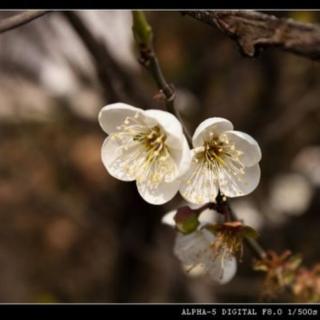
149 60
254 30
256 248
20 19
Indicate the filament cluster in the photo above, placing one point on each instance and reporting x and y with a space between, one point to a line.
144 154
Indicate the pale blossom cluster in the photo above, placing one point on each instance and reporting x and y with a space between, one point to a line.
150 148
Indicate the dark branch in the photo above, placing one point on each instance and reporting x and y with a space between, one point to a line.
148 58
20 19
116 82
150 61
253 31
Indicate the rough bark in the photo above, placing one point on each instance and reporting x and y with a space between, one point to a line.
254 30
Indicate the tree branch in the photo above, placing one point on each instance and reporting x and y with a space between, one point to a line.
253 31
148 58
20 19
119 84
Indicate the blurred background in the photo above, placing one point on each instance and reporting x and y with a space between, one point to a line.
69 232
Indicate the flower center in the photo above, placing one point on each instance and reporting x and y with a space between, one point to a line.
217 163
154 142
144 153
219 154
214 151
227 243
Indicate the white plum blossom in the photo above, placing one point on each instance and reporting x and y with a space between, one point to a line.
148 147
223 160
197 253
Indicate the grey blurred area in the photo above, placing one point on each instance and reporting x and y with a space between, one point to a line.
71 233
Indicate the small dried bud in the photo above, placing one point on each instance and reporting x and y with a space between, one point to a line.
230 235
306 286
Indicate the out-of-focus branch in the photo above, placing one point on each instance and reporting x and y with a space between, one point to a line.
118 82
253 30
285 123
98 52
148 58
20 19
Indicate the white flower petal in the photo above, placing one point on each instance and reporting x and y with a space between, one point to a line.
190 248
194 270
208 216
194 206
246 144
198 257
240 185
176 141
215 124
208 235
183 156
168 218
113 115
230 269
199 186
169 123
222 270
113 159
160 194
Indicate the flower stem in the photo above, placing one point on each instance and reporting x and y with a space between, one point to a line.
255 246
144 38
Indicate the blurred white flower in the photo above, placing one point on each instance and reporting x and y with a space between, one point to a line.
308 162
197 251
290 194
248 213
146 146
223 159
